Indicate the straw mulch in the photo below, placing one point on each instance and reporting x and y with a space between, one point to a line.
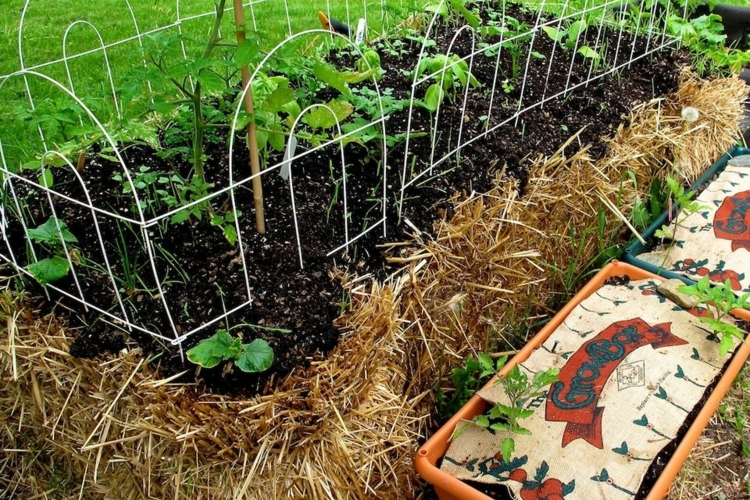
681 134
78 428
502 261
346 427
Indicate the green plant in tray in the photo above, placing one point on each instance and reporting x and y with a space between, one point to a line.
684 200
466 379
519 390
256 356
720 301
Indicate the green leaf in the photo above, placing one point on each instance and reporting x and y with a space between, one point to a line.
211 81
370 59
726 344
276 139
322 118
181 216
525 413
257 356
433 97
331 77
482 421
554 33
588 52
217 348
49 270
641 216
471 18
247 51
507 448
499 427
47 178
230 233
440 9
278 99
485 361
47 233
575 31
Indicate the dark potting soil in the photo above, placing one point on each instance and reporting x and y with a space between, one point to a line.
294 309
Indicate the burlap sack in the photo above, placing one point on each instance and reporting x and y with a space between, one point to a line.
714 241
632 366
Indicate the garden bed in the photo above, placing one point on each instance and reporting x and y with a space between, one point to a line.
293 309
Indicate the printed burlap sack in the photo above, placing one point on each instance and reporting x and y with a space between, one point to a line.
715 240
632 366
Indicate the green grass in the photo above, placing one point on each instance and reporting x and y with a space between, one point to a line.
45 25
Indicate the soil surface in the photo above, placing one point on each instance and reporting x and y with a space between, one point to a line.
294 309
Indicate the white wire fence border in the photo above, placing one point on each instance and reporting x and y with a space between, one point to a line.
666 41
144 223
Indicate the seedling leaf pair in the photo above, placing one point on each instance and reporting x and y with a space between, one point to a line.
257 356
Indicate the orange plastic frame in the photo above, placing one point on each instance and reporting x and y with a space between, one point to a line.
449 488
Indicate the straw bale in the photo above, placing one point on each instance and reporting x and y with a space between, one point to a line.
78 428
660 141
497 265
346 427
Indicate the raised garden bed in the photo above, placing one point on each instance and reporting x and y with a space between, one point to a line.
156 262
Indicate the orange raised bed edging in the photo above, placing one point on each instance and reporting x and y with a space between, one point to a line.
448 487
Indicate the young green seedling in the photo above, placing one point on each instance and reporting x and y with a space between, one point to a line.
683 199
257 356
720 301
519 389
55 267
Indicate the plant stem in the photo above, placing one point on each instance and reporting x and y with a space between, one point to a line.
198 127
196 95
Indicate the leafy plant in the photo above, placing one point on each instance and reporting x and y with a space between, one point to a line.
519 389
684 200
566 37
447 83
704 36
466 379
53 235
647 210
257 356
722 300
192 78
457 9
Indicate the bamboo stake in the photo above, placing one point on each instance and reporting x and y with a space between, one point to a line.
260 221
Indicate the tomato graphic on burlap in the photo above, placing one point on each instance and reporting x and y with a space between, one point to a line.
732 220
541 488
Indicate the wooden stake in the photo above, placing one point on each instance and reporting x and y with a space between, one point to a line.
81 161
260 221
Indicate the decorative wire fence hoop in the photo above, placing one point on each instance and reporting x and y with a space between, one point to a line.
654 31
